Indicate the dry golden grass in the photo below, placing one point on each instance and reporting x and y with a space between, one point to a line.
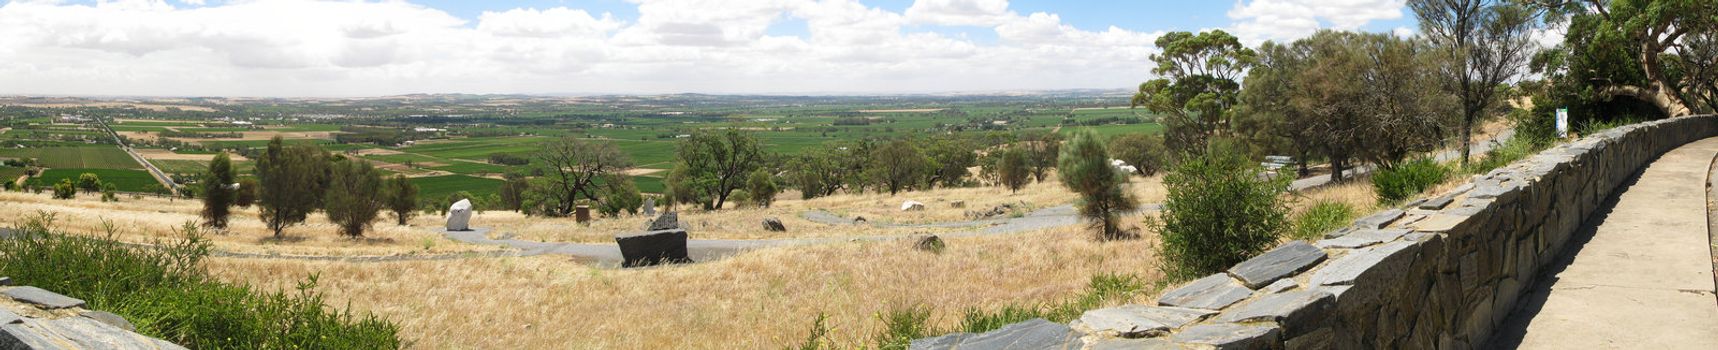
762 299
1358 194
149 219
882 207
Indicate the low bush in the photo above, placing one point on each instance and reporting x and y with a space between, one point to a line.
166 294
1320 218
1218 212
1408 179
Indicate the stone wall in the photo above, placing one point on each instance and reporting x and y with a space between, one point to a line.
34 318
1441 272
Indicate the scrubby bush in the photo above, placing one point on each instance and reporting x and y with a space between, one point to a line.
65 189
1086 170
1219 211
89 182
107 192
762 187
1321 217
1408 179
619 194
165 292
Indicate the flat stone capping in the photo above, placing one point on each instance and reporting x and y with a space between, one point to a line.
1213 292
1133 321
1228 336
1285 260
42 297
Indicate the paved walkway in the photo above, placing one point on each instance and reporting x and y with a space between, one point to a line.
1638 276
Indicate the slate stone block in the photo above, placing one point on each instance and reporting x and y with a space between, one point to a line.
1296 307
1380 220
42 298
1283 261
668 221
653 248
1363 238
1229 336
1134 321
1213 292
1036 333
1344 270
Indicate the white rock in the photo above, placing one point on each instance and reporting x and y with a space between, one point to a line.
459 216
912 206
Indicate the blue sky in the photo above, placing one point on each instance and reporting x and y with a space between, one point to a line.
364 48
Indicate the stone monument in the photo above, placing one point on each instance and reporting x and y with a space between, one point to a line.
459 216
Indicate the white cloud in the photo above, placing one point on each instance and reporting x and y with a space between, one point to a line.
347 48
1261 20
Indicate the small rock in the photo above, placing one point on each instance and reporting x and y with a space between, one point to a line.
41 297
1213 292
5 281
774 225
859 220
930 243
912 206
110 319
1438 203
957 204
1285 260
1380 220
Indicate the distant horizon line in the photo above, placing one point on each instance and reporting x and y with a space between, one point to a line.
591 94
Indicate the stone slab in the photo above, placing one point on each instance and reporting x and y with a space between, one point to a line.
42 298
74 333
1213 292
668 221
1344 270
653 248
1227 336
1279 286
1283 261
1133 321
1363 238
1036 333
1380 220
1280 307
1134 344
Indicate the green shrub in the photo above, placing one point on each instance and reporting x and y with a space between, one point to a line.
1218 212
1320 218
65 189
1408 179
1514 149
902 325
819 336
1101 290
166 294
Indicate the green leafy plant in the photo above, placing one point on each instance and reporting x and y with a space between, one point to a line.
1218 212
1408 179
1320 218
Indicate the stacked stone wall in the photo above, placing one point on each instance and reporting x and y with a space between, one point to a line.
1441 272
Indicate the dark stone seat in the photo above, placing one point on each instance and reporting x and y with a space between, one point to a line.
653 248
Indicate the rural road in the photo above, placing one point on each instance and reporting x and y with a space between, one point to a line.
161 177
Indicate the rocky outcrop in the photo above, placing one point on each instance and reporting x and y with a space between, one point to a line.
774 225
40 319
1439 273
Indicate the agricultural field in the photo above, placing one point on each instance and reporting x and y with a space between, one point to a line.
442 186
125 180
99 157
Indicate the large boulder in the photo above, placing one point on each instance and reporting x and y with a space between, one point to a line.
459 216
653 248
668 221
912 206
774 225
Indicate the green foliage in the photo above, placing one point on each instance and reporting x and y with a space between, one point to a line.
1086 170
709 166
166 294
619 194
356 196
1321 217
512 192
1042 151
1516 148
65 189
1199 84
247 192
818 338
89 182
107 193
903 324
949 158
1408 179
217 198
762 187
1101 290
1012 169
571 168
899 166
1145 152
293 180
1218 212
402 198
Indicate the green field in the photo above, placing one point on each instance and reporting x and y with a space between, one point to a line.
1108 131
463 167
181 166
125 179
441 186
96 157
10 173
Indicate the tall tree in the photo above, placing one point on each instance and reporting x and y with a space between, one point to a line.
512 192
1086 170
714 164
950 156
1013 170
402 198
1625 49
619 194
246 194
898 166
355 196
818 172
1198 85
570 168
218 197
293 179
1489 44
1042 150
761 185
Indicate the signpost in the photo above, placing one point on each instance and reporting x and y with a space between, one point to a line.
1562 122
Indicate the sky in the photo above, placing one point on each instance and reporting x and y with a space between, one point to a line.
305 48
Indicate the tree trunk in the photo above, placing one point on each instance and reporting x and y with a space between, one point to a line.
1336 168
1667 102
1466 137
